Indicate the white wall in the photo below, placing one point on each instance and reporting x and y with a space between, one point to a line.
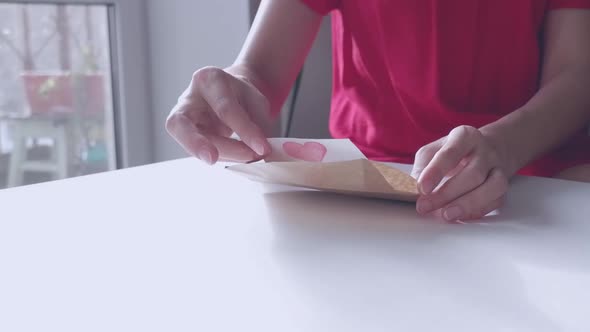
185 35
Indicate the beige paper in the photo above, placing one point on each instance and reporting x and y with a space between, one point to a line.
359 177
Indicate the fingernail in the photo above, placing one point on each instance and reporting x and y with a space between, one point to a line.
424 206
453 213
258 147
206 157
427 187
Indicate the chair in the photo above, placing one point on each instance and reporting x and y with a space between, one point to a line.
51 126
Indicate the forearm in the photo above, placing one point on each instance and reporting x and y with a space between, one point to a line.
276 48
559 109
261 83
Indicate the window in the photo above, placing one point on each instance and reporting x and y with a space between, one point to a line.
63 71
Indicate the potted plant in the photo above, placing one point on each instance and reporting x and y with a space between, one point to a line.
77 90
63 90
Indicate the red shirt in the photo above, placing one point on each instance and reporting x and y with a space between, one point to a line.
406 72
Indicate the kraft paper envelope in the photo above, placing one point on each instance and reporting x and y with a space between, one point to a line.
346 172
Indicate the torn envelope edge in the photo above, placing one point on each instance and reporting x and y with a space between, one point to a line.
359 177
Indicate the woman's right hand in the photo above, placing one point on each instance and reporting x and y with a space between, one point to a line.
216 105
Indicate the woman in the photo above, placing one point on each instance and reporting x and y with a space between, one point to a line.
474 90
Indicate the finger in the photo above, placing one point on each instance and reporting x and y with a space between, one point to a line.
424 156
258 107
491 207
232 150
214 86
472 176
460 142
464 162
478 202
188 136
203 119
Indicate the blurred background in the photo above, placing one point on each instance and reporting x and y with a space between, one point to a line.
86 87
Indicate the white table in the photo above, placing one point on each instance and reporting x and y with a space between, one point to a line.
180 246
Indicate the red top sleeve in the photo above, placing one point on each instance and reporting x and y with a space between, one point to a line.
557 4
323 7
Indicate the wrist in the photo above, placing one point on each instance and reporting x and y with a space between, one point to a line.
244 72
500 140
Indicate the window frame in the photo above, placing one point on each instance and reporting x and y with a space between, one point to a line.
130 77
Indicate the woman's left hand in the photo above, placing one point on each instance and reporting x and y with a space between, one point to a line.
477 175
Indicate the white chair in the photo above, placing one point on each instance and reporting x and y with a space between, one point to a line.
39 127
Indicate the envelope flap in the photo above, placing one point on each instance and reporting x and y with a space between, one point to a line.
398 180
355 177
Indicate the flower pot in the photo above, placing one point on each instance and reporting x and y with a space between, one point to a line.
64 92
89 96
48 93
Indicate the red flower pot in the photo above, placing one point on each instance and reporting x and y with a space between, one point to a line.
64 92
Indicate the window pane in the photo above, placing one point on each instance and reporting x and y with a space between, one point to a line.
56 109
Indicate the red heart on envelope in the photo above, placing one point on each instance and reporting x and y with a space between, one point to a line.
310 151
